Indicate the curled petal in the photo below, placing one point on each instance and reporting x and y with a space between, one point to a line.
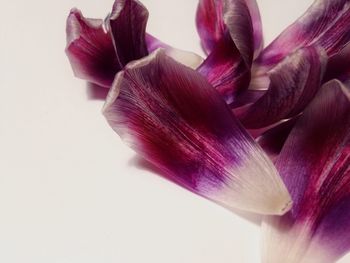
127 23
315 165
90 49
325 24
210 23
238 21
226 70
240 17
293 84
173 118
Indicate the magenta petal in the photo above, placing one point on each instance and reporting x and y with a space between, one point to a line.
240 17
90 50
210 23
226 70
293 84
325 24
315 165
172 117
128 22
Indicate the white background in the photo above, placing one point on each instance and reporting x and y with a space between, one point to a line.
70 191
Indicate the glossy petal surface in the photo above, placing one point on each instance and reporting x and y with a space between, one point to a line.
315 165
90 49
172 117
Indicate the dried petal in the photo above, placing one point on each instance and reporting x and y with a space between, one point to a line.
173 118
315 165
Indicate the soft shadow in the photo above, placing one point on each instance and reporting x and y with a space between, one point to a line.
96 92
145 165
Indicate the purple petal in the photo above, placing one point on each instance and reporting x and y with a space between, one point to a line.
339 66
172 117
210 23
272 140
189 59
325 23
226 70
240 17
315 165
127 23
90 50
293 84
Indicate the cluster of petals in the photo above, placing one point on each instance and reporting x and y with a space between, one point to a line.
260 129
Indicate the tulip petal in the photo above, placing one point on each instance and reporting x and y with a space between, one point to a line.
339 66
187 58
127 23
272 140
240 17
293 84
315 165
172 117
90 49
324 24
210 23
226 70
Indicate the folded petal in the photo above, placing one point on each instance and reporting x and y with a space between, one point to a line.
293 84
127 23
315 165
90 49
240 17
325 23
226 70
172 117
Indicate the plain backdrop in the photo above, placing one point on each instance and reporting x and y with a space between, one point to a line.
70 191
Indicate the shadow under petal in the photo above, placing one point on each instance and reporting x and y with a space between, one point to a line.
145 165
96 92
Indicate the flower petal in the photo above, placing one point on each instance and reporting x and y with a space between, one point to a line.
210 23
293 84
240 17
127 23
272 140
173 118
187 58
315 165
90 49
226 70
324 24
